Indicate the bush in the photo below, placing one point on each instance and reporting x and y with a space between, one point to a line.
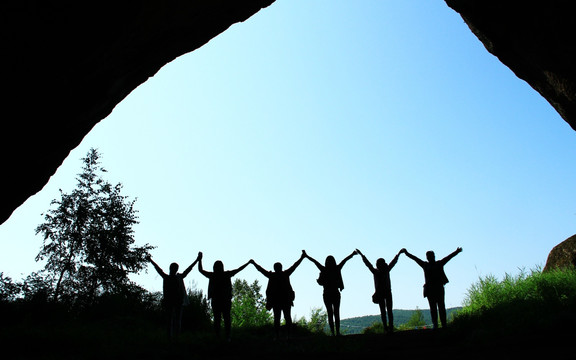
376 328
525 301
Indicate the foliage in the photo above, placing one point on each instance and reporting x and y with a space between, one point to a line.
553 287
248 305
401 317
527 300
88 239
8 289
416 320
375 328
196 315
318 321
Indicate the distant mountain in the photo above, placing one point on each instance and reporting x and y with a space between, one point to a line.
357 324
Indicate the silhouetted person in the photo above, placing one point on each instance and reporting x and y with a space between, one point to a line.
383 288
174 295
220 293
279 293
331 280
434 281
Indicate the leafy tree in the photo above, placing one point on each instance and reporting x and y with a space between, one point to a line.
318 321
248 305
8 289
88 241
197 313
375 328
416 320
34 287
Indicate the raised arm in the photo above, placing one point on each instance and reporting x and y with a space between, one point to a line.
450 256
418 261
158 268
394 261
259 268
346 259
200 268
291 269
236 271
366 262
318 265
189 268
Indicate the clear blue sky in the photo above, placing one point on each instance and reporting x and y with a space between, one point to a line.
328 126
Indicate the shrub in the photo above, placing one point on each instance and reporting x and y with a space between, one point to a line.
527 300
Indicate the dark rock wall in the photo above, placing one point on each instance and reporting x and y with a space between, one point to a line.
66 64
535 39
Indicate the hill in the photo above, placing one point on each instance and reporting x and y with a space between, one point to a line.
357 324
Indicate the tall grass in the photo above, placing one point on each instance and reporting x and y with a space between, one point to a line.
526 301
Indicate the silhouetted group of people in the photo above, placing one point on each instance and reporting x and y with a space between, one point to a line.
280 294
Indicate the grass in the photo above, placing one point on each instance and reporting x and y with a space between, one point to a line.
520 303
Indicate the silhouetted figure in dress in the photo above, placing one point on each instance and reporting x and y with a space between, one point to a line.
383 288
174 295
331 280
279 293
434 281
220 293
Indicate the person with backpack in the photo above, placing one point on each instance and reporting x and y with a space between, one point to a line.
331 280
279 293
220 293
174 295
383 288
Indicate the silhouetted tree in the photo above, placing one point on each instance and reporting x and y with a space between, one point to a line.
197 316
8 289
34 287
88 241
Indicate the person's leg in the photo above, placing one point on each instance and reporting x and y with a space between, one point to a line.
170 321
217 312
390 314
277 315
178 327
442 308
337 315
227 319
330 313
433 311
382 306
288 318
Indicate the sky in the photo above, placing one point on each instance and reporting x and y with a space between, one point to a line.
331 125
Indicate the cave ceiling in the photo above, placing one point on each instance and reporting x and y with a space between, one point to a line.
67 64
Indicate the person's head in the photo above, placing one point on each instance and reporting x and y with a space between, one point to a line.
330 261
278 267
430 256
173 268
218 266
380 264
